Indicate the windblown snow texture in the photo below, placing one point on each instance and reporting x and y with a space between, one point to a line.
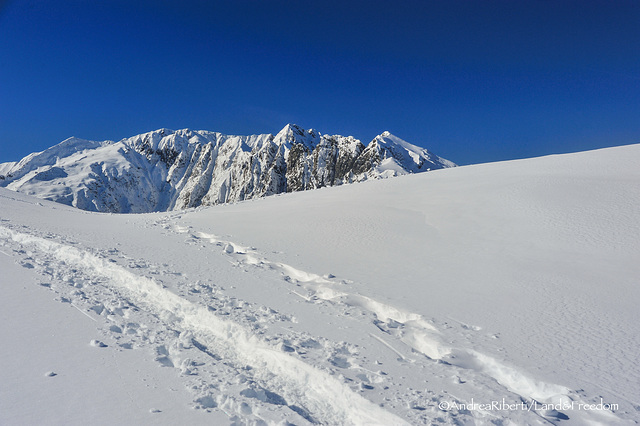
171 170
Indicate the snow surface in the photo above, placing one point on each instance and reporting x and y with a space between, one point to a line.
402 301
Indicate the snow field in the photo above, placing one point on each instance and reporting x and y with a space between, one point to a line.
270 367
388 302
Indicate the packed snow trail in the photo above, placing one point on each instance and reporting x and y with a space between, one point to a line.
417 332
328 400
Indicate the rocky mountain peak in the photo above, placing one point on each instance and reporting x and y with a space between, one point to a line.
171 170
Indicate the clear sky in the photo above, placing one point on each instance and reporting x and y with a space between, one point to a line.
473 81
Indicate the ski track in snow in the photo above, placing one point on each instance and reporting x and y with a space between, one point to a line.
320 394
231 361
419 334
412 329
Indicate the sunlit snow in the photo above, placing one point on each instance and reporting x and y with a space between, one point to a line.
503 293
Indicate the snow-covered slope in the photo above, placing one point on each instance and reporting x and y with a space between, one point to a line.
503 293
171 170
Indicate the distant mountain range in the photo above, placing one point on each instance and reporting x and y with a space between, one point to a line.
171 170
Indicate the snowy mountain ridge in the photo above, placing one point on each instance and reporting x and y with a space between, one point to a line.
167 170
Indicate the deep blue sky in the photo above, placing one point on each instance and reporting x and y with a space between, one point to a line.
474 81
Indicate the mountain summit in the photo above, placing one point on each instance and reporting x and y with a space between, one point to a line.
171 170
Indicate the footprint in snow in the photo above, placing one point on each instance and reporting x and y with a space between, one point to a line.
97 344
162 357
340 362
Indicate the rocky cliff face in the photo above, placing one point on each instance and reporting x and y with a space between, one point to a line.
171 170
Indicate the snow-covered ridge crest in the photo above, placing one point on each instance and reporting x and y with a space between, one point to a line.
170 170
